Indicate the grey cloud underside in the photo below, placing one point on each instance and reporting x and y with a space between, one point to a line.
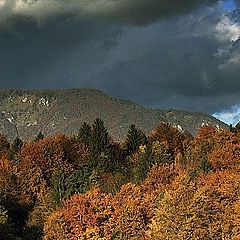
127 48
184 70
120 11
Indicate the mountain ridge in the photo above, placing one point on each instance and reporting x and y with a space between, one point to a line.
25 112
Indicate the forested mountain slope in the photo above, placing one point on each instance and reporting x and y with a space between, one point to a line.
27 112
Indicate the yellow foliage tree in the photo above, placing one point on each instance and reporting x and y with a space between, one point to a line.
203 209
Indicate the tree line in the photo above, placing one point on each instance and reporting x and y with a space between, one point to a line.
164 185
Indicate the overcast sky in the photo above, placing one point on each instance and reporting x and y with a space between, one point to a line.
159 53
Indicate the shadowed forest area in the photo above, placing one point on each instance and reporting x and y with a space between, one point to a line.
167 185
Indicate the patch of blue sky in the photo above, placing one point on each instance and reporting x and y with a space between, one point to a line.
228 5
231 116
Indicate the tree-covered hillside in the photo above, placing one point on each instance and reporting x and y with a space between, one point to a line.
24 113
166 185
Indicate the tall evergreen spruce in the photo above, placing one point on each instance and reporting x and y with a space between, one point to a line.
100 146
135 138
100 139
84 135
146 161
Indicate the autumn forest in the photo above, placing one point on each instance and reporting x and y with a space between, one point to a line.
163 185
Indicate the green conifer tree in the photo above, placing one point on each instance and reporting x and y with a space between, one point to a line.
135 138
84 134
100 139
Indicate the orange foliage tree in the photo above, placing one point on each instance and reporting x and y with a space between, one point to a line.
226 156
169 138
202 209
131 215
170 215
82 217
41 160
199 148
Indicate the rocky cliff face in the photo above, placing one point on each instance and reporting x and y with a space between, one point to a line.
26 112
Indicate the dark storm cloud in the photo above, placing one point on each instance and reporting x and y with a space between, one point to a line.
160 53
49 43
128 11
187 65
